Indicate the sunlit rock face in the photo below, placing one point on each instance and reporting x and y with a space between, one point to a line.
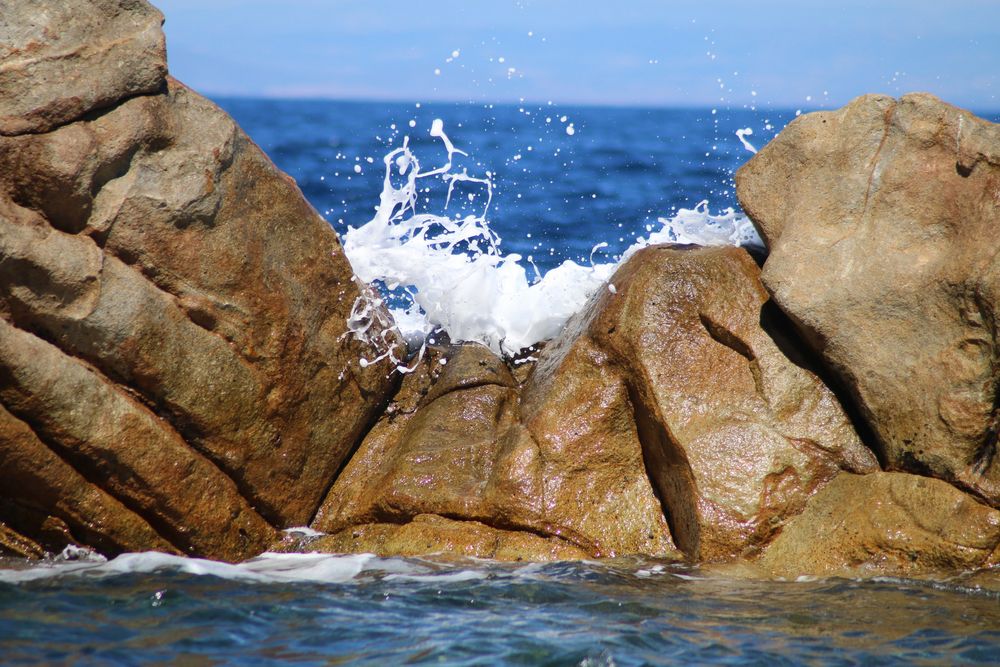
175 372
62 60
461 441
883 224
666 415
736 431
886 524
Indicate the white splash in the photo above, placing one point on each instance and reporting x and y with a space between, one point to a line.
742 136
698 226
459 280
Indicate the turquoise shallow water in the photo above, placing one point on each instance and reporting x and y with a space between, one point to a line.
323 610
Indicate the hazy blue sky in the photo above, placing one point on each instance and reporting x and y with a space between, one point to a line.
767 52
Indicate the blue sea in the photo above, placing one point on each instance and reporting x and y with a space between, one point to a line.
565 181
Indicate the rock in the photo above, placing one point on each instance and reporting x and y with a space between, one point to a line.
155 265
885 524
40 489
140 460
453 444
883 224
428 534
680 376
736 434
199 277
17 545
60 59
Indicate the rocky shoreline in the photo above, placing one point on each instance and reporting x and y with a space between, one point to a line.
178 371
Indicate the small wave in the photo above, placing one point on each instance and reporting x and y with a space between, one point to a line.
451 274
266 568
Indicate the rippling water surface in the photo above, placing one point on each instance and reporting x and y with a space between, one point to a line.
395 611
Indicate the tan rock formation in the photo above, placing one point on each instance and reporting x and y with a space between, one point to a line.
736 434
885 524
453 444
60 59
883 223
671 377
174 314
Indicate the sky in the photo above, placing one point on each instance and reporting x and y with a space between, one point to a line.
776 53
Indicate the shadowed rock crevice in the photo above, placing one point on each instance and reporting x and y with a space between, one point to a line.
376 417
789 338
670 475
724 336
13 543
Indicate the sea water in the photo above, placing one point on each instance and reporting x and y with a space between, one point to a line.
320 609
539 186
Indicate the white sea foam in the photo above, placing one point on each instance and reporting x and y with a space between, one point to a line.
266 568
458 278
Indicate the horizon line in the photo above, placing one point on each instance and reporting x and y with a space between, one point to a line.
551 103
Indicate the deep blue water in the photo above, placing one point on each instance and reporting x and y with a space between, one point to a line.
618 172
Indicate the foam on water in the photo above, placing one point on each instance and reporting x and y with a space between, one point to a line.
454 275
266 568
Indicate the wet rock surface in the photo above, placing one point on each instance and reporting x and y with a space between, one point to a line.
735 434
886 524
664 400
883 224
456 443
175 365
179 369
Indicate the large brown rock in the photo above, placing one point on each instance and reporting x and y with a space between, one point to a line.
679 375
883 224
157 263
60 59
735 432
886 524
457 443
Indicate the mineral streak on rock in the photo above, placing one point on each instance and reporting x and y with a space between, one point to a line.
883 223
